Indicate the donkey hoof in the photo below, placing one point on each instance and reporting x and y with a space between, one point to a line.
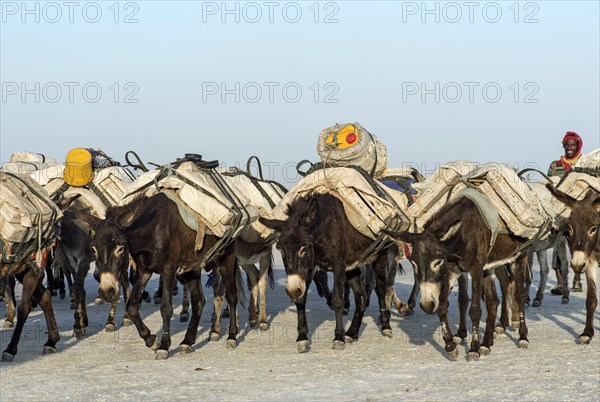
253 323
161 354
7 357
79 332
303 346
214 336
231 343
472 356
458 340
8 324
584 340
523 343
453 355
184 317
110 327
484 350
515 324
537 302
225 313
387 333
348 339
565 300
72 306
98 301
408 312
127 322
500 331
345 311
338 345
264 326
185 349
155 345
158 300
62 295
48 350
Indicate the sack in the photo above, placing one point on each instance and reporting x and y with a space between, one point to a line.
576 185
589 163
264 196
78 167
369 209
221 207
433 192
27 214
351 144
516 204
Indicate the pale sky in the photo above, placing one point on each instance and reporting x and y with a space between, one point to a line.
435 81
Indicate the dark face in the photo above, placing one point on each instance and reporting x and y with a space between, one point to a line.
112 258
570 148
583 227
429 260
296 247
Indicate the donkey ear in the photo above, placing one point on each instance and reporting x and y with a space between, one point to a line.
405 237
562 197
311 213
275 224
596 205
448 233
89 219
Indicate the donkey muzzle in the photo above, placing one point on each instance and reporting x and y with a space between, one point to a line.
295 288
109 287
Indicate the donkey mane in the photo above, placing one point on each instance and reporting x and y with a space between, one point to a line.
299 206
448 214
118 210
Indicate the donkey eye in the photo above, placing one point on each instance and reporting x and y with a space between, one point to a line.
436 264
95 252
593 230
302 251
119 249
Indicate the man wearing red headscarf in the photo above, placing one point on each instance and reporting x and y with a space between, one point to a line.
572 144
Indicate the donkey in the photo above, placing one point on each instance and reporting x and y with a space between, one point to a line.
152 231
73 255
583 226
318 233
457 240
7 293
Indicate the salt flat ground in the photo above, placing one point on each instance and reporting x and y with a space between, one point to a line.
266 366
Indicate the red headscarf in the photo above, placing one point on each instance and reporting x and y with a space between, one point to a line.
567 162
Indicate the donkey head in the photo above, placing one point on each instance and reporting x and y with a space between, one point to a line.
111 248
582 227
430 259
296 245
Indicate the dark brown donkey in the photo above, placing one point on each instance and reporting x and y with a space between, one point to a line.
152 231
583 227
457 240
318 233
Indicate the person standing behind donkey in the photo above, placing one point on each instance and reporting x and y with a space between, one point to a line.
572 144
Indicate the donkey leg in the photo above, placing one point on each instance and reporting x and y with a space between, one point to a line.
229 270
463 305
302 341
252 275
491 307
412 299
380 268
591 302
519 267
166 312
390 293
542 256
265 264
218 301
126 295
30 282
45 300
110 325
133 309
450 344
475 312
504 280
337 300
360 303
81 320
8 287
529 275
198 301
184 315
